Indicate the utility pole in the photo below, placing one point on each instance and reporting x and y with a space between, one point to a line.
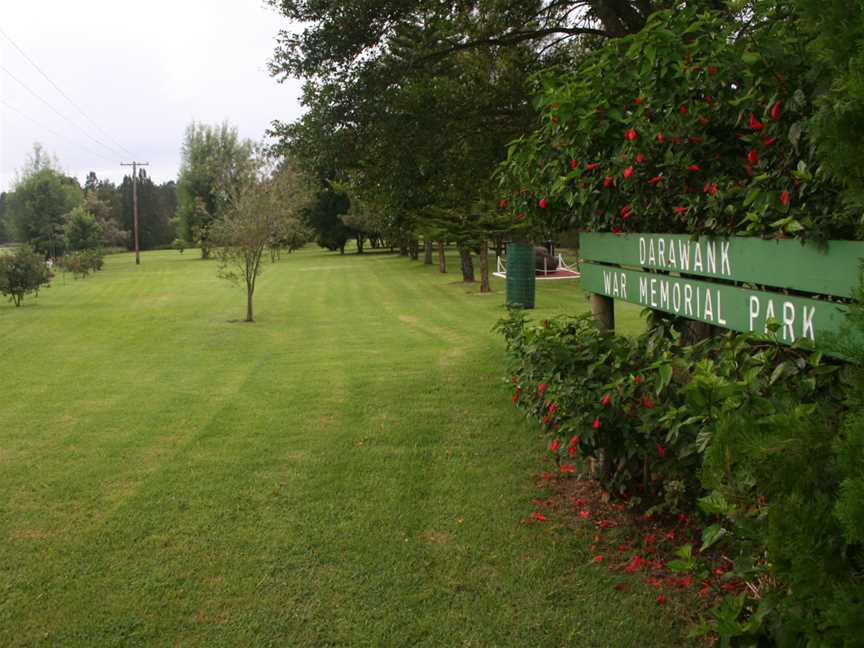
135 166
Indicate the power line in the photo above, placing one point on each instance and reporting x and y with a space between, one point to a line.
57 112
54 132
63 94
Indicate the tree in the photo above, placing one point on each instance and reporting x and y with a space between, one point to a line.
261 209
41 198
4 236
81 231
156 207
21 273
215 163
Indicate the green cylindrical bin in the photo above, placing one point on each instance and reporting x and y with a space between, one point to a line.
520 275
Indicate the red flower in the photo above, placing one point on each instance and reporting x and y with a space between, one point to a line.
753 156
661 599
712 70
768 141
775 111
546 421
584 514
655 180
650 538
625 211
515 398
682 109
634 564
543 203
541 388
598 558
546 476
628 172
536 515
686 581
520 217
567 468
592 166
647 403
608 180
660 137
571 451
640 158
710 188
709 99
596 424
502 204
552 408
631 134
755 124
553 447
694 167
693 139
637 379
661 451
784 198
574 441
638 101
574 164
616 230
676 141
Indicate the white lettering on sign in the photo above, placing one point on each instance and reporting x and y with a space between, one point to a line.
708 257
791 316
704 302
615 284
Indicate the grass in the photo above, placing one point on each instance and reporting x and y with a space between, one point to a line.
346 471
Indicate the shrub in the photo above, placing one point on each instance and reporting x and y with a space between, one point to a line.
768 440
21 273
82 263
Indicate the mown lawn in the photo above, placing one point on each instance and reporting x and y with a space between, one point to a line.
349 470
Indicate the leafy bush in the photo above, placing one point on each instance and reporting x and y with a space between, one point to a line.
21 273
82 263
768 440
695 124
81 230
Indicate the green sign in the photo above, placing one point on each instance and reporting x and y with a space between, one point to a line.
829 269
665 269
723 305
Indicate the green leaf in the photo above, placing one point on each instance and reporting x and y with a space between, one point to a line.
711 535
716 503
751 57
665 372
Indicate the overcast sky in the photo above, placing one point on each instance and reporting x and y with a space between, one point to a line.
142 71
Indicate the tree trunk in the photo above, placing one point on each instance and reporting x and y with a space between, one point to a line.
360 240
403 248
342 249
695 332
442 260
499 246
427 252
467 264
484 266
414 249
249 294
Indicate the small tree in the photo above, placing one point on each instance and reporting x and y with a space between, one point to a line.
21 273
257 217
82 231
